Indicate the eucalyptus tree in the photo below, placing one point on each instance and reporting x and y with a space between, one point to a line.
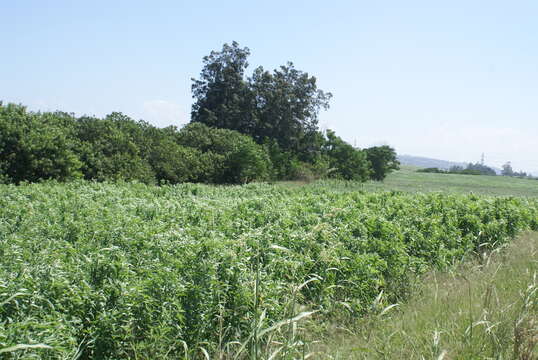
222 95
281 105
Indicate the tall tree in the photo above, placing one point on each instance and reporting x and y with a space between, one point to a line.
282 105
507 169
383 160
222 96
288 102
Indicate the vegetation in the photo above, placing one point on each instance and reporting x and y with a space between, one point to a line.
116 267
101 270
481 168
382 160
508 171
282 105
264 127
345 161
242 130
479 310
40 146
36 146
471 169
280 110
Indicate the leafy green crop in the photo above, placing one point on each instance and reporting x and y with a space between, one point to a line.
99 270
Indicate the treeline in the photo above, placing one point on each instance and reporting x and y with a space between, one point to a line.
242 129
508 171
56 145
470 169
479 169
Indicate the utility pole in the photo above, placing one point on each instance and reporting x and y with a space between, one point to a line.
482 160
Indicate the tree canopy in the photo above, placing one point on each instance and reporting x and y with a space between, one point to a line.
243 128
282 105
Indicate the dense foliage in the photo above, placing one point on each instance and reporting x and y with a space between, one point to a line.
237 158
108 271
40 146
36 146
508 171
280 109
382 160
345 161
282 105
242 129
54 145
481 169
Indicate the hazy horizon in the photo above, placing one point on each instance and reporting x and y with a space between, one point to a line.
444 81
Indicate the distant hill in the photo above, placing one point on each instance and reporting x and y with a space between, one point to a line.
428 162
425 162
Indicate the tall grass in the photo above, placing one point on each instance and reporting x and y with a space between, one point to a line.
485 309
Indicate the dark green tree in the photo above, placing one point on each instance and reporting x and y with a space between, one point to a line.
481 169
345 161
36 146
383 160
507 169
288 102
282 105
222 96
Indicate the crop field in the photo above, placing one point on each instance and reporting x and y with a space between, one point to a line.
126 270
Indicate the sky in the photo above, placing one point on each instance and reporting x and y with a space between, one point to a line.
448 80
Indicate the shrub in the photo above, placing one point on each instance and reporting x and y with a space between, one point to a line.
383 160
433 170
108 152
241 159
36 146
345 161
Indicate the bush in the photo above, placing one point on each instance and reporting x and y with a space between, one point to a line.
344 160
383 160
238 159
109 152
173 163
433 170
36 146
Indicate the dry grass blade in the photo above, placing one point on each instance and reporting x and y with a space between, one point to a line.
24 347
387 309
279 324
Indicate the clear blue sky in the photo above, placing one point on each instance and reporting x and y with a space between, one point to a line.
451 79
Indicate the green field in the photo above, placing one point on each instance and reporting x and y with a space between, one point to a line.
408 180
126 270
